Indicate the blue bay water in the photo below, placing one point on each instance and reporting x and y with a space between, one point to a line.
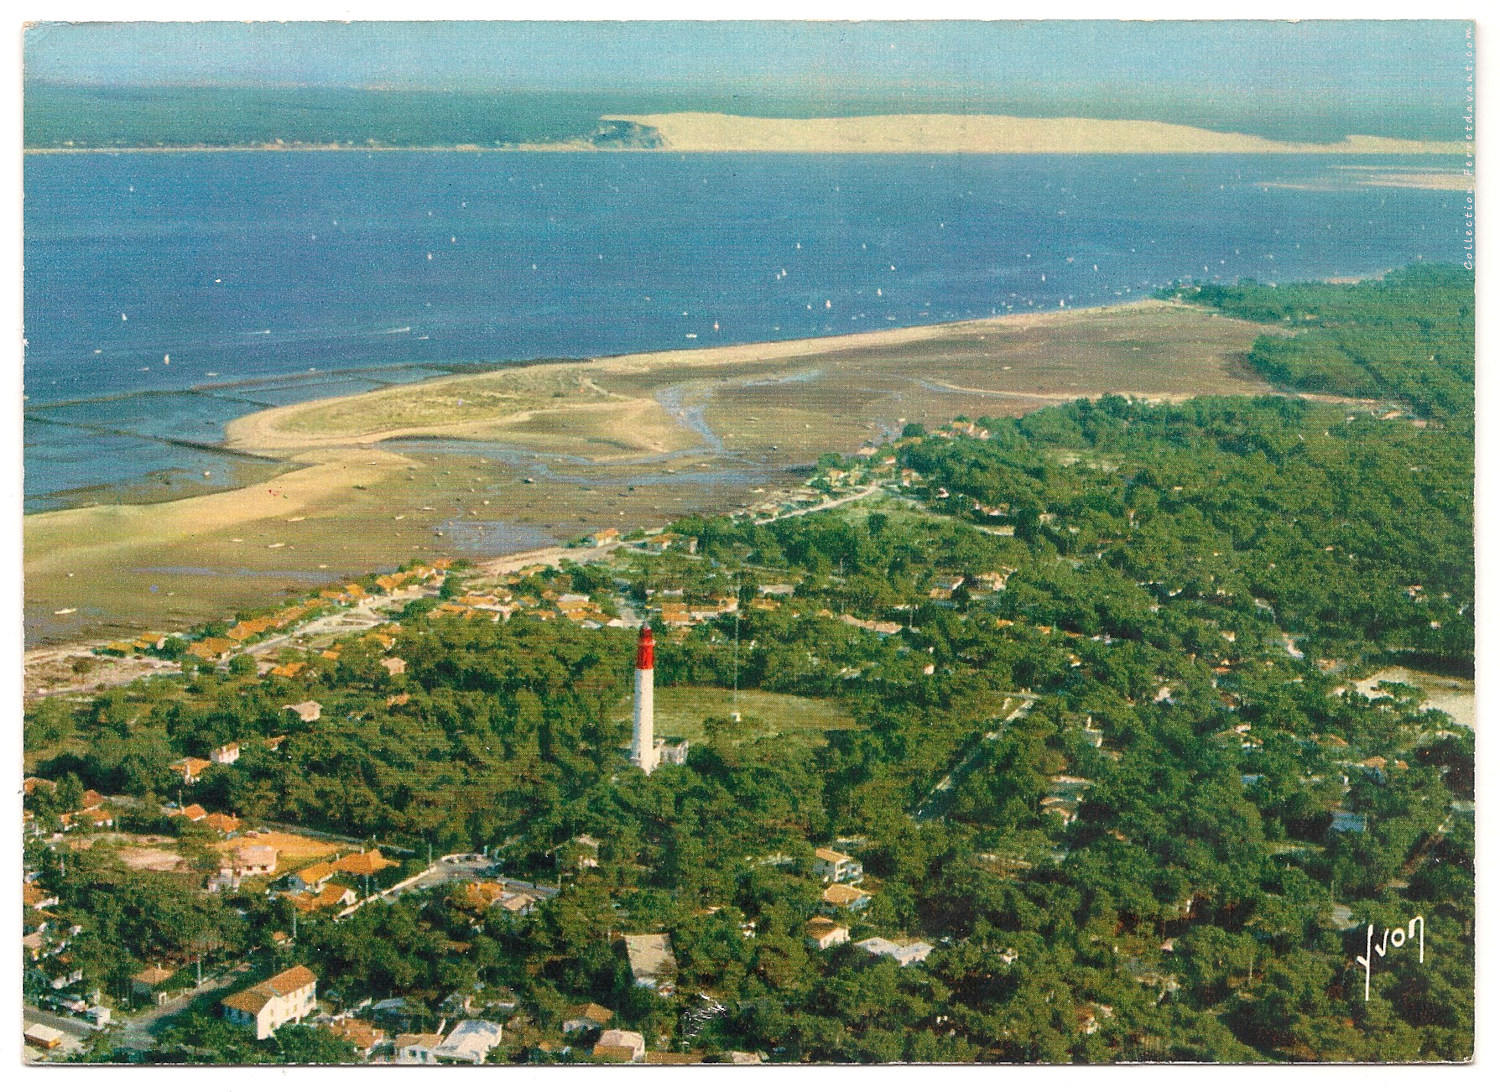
251 276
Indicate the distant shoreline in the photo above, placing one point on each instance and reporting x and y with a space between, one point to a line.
1434 148
890 134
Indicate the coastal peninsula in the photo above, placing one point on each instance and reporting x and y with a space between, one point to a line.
512 459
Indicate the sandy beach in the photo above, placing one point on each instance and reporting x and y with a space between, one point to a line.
498 463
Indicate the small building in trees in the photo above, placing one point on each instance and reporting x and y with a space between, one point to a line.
618 1045
824 933
835 867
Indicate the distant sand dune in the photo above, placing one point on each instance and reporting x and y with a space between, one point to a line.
987 133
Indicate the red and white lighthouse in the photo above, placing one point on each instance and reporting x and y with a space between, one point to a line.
643 741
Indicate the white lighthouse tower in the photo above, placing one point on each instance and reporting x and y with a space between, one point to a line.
643 742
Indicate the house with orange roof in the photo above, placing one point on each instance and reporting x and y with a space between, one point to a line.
193 813
332 894
288 671
618 1045
480 895
846 897
224 824
243 631
273 743
313 877
282 999
244 860
364 1036
31 784
95 817
675 615
34 898
363 864
417 1049
212 648
148 983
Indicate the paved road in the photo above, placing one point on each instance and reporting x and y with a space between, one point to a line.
823 506
366 615
354 844
944 788
462 870
68 1025
138 1032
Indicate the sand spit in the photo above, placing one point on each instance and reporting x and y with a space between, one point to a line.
570 399
989 134
489 464
892 134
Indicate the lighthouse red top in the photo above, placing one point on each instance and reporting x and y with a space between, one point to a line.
645 650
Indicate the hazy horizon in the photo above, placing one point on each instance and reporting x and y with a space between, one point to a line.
1375 77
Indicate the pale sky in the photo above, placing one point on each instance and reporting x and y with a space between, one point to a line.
1351 59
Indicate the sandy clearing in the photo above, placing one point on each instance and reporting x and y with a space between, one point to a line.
287 845
149 858
629 424
1453 695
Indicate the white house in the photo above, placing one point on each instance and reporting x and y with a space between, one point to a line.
825 933
307 712
282 999
904 954
470 1041
417 1049
245 860
226 755
835 867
